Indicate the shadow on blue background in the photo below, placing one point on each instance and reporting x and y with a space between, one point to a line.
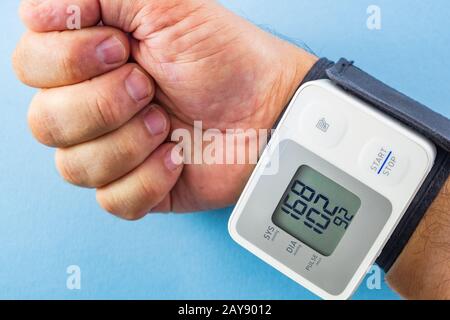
47 225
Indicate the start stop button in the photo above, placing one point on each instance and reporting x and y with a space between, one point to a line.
385 163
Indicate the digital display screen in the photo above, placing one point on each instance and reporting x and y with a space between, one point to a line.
316 210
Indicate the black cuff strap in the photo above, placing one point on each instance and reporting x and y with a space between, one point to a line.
430 124
319 70
419 206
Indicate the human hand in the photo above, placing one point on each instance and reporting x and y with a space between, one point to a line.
207 64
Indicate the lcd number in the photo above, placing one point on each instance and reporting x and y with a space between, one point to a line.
308 196
316 210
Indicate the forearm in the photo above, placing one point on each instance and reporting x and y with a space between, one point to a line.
423 269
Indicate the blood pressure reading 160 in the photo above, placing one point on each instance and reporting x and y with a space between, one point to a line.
316 210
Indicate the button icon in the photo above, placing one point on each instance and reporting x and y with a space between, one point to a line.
323 125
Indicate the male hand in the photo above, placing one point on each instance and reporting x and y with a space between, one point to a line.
111 118
195 61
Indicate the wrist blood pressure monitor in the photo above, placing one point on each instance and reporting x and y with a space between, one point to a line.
346 175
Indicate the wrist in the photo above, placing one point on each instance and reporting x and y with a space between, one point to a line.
293 66
422 271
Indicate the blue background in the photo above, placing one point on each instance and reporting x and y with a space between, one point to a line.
47 225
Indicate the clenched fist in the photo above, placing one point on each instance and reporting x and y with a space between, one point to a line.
112 92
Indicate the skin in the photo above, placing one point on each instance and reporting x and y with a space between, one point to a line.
223 79
423 269
193 60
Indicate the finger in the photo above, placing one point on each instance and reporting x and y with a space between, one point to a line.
45 15
164 206
63 117
59 15
133 196
57 59
104 160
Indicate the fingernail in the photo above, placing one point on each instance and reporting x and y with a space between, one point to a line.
138 85
174 159
111 51
155 122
